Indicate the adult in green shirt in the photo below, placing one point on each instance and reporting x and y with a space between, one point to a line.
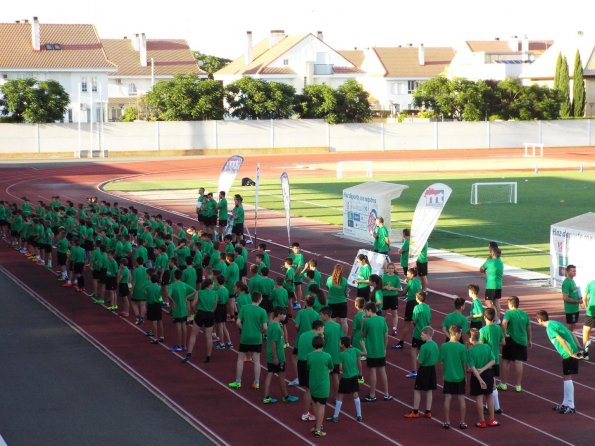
238 219
223 213
456 318
571 298
493 268
381 239
517 329
319 365
453 356
566 345
589 303
375 335
337 296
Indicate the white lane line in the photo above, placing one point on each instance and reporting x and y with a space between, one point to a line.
2 442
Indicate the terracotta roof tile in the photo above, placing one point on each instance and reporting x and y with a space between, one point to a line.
488 46
403 62
356 57
346 70
277 70
80 47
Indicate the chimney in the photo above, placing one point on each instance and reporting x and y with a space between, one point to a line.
142 43
35 35
135 42
319 35
248 55
525 49
276 36
421 54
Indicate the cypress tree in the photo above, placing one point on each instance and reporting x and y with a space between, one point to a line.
557 73
578 88
564 89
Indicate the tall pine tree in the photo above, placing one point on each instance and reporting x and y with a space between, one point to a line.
578 88
557 73
564 89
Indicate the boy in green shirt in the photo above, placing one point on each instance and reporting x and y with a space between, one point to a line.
480 360
571 298
493 268
351 370
289 283
298 264
178 293
453 356
221 315
456 318
422 315
222 213
358 322
517 329
320 364
123 287
391 287
476 311
425 378
380 235
204 305
276 357
589 303
412 287
492 335
303 323
332 341
375 334
154 311
304 347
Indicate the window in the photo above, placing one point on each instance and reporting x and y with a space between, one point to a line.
131 90
83 84
93 84
5 76
285 61
412 86
49 46
57 46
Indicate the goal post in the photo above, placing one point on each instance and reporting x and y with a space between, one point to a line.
358 168
494 192
533 149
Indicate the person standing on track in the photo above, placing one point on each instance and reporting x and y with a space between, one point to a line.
404 251
571 298
517 330
199 207
375 335
381 239
493 268
589 303
238 219
222 214
422 267
337 295
363 275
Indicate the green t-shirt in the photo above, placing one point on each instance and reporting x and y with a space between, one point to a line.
181 254
254 284
404 259
243 300
476 308
348 359
337 294
517 324
332 340
207 300
304 344
391 280
380 244
154 294
298 265
423 254
319 366
223 209
412 287
363 273
238 215
289 278
161 262
590 293
77 254
454 357
267 285
124 274
253 317
494 269
141 252
112 268
378 299
62 245
179 293
275 334
141 281
479 355
374 331
280 298
303 321
492 335
189 277
554 329
428 354
422 315
232 275
222 295
457 319
569 288
357 328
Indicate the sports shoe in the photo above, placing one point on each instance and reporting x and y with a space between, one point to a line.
332 419
360 379
502 387
67 284
387 397
462 425
290 399
286 345
297 307
494 423
428 415
412 414
255 386
157 341
176 348
294 383
99 302
319 434
498 411
411 374
369 399
228 345
518 389
269 400
446 425
187 358
567 410
308 417
481 424
149 333
124 314
359 418
235 385
397 346
220 346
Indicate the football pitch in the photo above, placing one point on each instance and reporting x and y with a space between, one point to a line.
523 229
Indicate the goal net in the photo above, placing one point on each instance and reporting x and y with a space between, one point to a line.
496 192
355 169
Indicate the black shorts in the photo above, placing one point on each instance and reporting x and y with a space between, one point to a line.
348 385
246 348
88 245
409 310
102 275
496 370
133 232
154 312
570 366
266 304
95 274
513 351
476 324
405 269
238 229
571 318
364 292
452 388
390 302
318 400
78 268
336 370
3 222
303 374
212 220
375 362
31 240
244 271
221 313
204 319
426 378
493 294
62 257
151 253
589 321
201 217
474 387
291 295
123 289
166 277
417 343
14 234
180 320
111 283
339 310
222 223
422 268
275 368
47 248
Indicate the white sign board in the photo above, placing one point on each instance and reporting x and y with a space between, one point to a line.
572 242
376 260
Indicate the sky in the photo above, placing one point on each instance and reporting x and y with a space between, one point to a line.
219 27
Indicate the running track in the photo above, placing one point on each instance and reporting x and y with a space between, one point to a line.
199 392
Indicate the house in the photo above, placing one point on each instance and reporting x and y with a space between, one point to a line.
542 72
70 54
297 60
495 59
393 73
140 63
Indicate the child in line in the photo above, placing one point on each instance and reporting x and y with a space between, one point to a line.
351 369
422 315
319 365
425 379
480 360
476 311
453 356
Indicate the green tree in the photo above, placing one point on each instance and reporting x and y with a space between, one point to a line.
436 94
352 104
249 98
316 102
578 88
27 100
527 102
210 63
186 98
564 89
130 114
559 62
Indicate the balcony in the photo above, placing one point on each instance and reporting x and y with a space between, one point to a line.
323 69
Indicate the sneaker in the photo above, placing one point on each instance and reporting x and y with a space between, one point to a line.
359 418
123 314
558 407
67 284
387 397
462 425
157 341
269 400
177 348
397 346
297 307
228 345
235 385
149 333
360 380
566 410
369 399
332 419
481 424
220 346
446 426
428 415
286 345
290 399
319 434
308 417
412 414
363 357
498 411
99 302
255 386
294 383
502 387
494 423
518 389
411 374
187 358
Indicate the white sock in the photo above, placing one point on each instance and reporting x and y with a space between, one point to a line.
496 399
338 405
358 407
569 394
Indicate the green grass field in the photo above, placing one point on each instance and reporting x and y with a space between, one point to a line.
523 229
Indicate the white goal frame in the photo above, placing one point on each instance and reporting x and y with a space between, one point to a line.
367 166
474 190
532 149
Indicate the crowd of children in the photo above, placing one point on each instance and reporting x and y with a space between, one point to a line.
201 276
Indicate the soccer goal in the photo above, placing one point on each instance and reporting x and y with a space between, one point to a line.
496 192
355 168
533 149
